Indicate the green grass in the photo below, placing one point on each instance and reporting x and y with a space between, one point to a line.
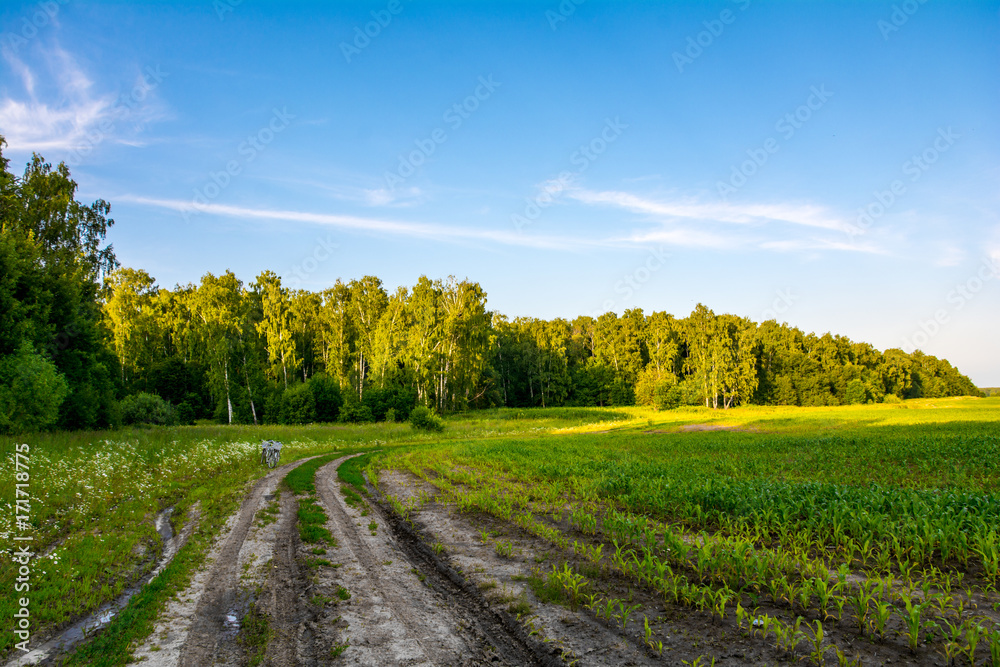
905 492
95 493
351 470
255 635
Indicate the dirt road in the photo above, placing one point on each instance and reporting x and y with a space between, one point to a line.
378 597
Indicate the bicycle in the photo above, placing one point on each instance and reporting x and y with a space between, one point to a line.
270 452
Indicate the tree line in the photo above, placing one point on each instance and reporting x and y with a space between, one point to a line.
88 343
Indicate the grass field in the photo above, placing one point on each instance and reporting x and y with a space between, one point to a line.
887 513
94 497
879 521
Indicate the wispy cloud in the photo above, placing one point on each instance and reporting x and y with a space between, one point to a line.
371 225
820 244
688 238
74 116
693 209
359 193
951 256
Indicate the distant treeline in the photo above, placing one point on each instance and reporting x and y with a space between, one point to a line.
86 343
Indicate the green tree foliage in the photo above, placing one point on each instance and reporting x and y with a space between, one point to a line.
52 260
327 397
76 330
298 405
31 391
856 393
145 408
424 419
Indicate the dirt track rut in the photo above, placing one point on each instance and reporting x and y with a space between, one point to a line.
379 597
214 626
403 609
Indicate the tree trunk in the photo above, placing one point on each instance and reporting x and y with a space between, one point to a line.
229 402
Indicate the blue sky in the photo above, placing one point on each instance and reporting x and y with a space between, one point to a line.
571 158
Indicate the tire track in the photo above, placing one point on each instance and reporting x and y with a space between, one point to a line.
286 597
211 637
398 608
429 619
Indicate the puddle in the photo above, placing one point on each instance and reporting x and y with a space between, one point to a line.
234 615
68 639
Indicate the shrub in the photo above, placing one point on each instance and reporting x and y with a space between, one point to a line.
390 415
380 401
892 398
31 391
298 406
856 393
653 386
668 397
186 414
424 419
144 408
353 412
326 393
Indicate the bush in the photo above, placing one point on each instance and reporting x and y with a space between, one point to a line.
326 394
186 414
380 401
298 405
31 391
390 415
424 419
652 385
892 398
353 412
856 393
144 408
668 397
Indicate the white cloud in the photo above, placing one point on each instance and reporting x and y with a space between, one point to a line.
370 225
689 238
952 256
387 197
820 244
75 117
808 215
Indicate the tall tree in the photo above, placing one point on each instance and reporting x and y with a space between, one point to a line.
276 326
130 315
218 306
53 259
368 302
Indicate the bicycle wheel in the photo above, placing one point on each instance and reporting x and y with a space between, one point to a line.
272 458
